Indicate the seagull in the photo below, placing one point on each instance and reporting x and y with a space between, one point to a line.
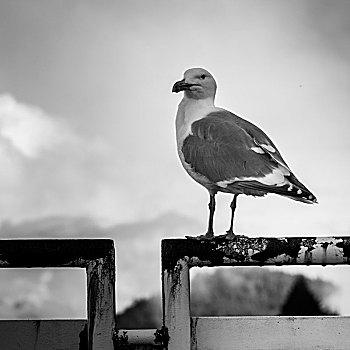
226 153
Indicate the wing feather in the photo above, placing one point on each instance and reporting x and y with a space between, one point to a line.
221 148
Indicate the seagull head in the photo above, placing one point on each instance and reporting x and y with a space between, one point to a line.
197 83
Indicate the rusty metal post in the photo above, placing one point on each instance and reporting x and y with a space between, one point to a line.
176 304
101 302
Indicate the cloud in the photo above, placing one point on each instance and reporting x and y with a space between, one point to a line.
50 167
29 129
32 294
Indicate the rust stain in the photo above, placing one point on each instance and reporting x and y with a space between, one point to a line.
243 250
279 246
161 336
100 279
324 246
176 277
175 249
309 244
345 245
37 328
120 340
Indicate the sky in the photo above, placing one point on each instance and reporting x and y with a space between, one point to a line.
87 114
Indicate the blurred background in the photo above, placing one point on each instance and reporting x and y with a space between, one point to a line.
87 142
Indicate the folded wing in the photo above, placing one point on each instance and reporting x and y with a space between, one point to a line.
238 157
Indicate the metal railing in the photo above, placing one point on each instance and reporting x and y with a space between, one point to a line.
97 258
98 331
179 331
269 332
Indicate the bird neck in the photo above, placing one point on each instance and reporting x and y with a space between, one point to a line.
191 110
191 105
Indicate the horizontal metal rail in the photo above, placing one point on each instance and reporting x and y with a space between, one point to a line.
270 333
64 334
256 251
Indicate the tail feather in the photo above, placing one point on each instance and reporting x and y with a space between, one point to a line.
292 188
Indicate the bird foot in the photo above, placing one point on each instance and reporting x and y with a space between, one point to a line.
206 237
229 235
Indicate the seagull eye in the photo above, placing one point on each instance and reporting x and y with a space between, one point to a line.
202 76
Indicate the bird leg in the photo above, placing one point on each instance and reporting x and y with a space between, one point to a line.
211 205
210 232
230 234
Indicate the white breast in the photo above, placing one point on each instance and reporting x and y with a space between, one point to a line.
188 112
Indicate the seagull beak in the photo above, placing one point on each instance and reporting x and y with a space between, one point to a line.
181 86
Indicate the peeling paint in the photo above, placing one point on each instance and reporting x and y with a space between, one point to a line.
345 245
120 340
175 276
101 298
243 250
161 336
195 261
309 243
280 246
176 304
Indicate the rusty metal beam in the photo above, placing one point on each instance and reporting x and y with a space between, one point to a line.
256 251
19 253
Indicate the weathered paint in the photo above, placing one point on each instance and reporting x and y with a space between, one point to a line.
140 336
270 333
100 275
255 251
177 306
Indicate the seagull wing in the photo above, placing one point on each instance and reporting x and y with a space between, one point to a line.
238 157
220 149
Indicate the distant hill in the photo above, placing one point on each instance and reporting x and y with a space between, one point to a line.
238 292
245 291
303 301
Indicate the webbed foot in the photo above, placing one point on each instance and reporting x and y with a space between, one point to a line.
230 235
206 237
